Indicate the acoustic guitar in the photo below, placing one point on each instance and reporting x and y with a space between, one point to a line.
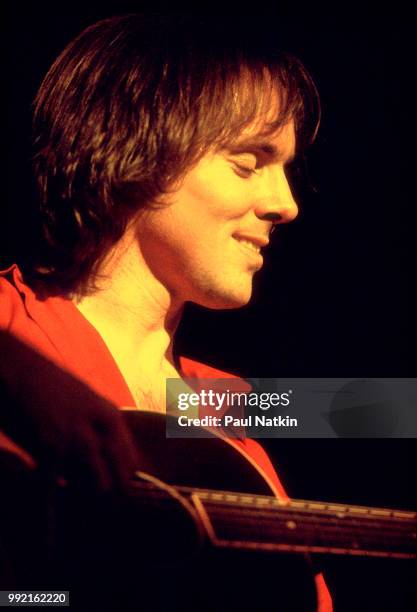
236 523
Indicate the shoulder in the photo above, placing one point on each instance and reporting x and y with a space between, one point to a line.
38 323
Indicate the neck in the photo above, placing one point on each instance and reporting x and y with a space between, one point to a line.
136 316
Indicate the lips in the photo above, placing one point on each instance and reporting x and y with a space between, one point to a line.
247 244
252 241
250 245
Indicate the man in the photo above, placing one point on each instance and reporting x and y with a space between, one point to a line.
161 164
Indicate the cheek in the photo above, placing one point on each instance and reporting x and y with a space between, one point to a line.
168 239
158 230
216 195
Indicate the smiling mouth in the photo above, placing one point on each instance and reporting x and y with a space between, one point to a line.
248 244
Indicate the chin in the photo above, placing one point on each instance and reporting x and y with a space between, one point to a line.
219 293
229 301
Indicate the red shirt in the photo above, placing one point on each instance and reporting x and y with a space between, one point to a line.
55 328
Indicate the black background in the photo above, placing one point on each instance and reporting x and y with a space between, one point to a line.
334 297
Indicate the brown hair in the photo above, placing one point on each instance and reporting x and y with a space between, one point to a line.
127 108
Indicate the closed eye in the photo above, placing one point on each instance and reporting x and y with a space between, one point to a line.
244 171
245 164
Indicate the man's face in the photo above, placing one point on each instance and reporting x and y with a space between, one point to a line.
205 244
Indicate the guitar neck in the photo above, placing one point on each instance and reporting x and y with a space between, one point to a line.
258 522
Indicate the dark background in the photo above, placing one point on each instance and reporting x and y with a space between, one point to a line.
334 297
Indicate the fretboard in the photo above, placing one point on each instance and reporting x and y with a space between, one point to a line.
233 520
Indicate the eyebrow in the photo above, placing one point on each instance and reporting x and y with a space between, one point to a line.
260 145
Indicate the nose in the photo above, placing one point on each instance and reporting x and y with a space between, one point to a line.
275 201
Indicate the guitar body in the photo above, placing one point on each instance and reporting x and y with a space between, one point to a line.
222 579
